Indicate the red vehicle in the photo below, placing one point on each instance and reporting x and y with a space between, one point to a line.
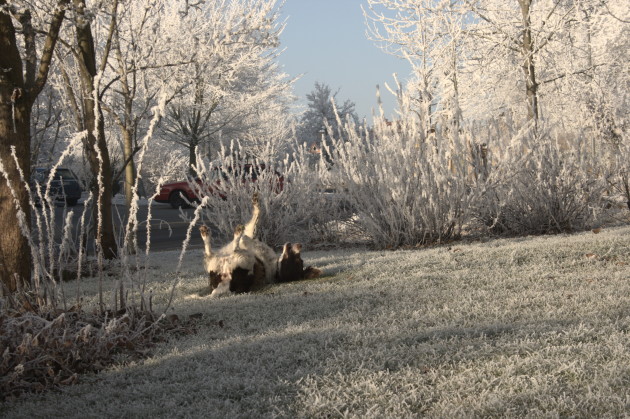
181 194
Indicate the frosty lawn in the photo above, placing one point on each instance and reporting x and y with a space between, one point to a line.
534 326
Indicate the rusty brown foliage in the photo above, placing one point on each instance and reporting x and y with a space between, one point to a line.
42 349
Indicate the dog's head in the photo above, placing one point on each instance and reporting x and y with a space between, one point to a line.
291 264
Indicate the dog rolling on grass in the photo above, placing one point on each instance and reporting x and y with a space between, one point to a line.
246 264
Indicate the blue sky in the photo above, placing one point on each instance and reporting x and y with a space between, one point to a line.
326 40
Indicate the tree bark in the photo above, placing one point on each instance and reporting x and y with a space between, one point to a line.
192 158
17 96
529 68
100 166
96 145
130 166
15 255
130 181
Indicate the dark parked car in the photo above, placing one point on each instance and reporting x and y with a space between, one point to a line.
64 187
180 194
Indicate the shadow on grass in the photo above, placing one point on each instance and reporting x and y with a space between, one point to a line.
265 354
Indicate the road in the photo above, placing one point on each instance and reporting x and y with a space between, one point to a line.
168 226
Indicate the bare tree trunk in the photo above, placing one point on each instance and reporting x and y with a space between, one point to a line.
192 157
130 168
100 166
130 180
529 68
96 145
19 87
126 124
15 255
456 110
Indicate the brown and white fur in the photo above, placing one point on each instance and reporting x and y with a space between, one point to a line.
246 264
231 268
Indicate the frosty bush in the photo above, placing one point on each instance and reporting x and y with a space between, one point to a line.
618 168
543 185
408 186
293 207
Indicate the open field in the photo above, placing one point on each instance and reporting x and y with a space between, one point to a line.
534 326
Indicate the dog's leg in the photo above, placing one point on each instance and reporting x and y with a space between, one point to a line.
252 225
222 288
205 236
213 277
238 235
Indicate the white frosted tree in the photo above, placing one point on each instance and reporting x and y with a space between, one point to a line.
140 70
429 35
269 138
525 83
489 57
233 75
592 72
544 48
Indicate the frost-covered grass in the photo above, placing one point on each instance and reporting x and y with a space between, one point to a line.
536 326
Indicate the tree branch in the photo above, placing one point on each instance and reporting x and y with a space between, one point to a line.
28 32
483 17
583 71
110 34
134 151
133 70
67 86
49 47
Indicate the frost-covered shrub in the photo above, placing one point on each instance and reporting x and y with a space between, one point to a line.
293 207
619 177
49 349
542 185
617 165
407 186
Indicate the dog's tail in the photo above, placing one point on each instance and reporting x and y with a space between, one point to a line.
311 272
